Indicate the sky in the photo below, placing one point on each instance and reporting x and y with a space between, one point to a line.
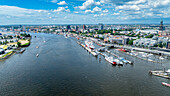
84 11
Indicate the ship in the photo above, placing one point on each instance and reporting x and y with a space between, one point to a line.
110 60
89 44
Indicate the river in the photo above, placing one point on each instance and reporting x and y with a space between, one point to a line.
65 68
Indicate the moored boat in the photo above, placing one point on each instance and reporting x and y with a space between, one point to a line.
121 49
89 44
165 84
124 61
110 60
22 50
118 61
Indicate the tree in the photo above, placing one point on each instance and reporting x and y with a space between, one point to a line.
19 44
130 42
18 36
160 45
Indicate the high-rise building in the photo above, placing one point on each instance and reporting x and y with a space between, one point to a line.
161 27
68 27
76 28
100 26
84 27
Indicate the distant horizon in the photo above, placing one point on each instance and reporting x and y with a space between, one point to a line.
83 24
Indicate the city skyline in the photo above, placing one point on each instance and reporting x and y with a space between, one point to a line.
84 11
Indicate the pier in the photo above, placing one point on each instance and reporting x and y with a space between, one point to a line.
88 49
162 74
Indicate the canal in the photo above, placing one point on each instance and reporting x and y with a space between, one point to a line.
65 68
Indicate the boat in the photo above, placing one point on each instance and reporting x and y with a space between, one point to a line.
22 50
118 61
121 49
165 84
44 41
37 55
124 61
110 60
65 35
37 46
161 58
89 44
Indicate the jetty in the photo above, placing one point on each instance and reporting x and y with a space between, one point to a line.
88 49
163 74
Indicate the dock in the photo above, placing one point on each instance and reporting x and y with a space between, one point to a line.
160 74
88 49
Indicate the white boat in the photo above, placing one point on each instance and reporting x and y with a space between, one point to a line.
124 61
37 55
37 46
65 35
118 61
110 60
161 58
89 44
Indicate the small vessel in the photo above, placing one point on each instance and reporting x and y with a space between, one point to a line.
121 49
161 58
37 46
44 41
22 50
65 35
118 61
37 55
166 84
124 61
110 60
89 44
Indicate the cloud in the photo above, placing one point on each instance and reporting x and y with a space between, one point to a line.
128 7
76 12
54 1
105 1
9 10
62 3
96 9
88 4
61 9
136 2
105 11
116 14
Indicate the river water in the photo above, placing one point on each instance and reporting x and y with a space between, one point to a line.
65 68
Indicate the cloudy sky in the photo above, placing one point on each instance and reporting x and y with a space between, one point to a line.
84 11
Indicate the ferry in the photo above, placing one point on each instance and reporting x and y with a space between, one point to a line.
89 44
165 84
